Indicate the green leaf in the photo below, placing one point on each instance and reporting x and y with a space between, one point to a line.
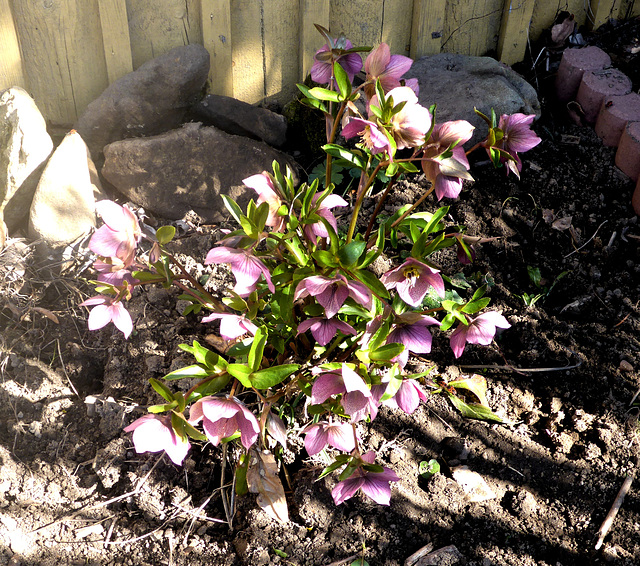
161 389
473 410
395 382
211 387
189 372
194 432
257 348
324 94
178 424
386 353
355 158
447 322
351 252
162 408
241 372
241 475
325 258
202 355
341 460
165 234
473 307
232 207
265 378
342 80
371 281
427 470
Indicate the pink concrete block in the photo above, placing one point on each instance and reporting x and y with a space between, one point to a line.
573 65
614 114
596 86
628 154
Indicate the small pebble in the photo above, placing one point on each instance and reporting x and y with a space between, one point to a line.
625 366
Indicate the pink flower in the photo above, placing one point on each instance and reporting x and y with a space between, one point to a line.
409 126
223 417
412 281
324 329
410 330
154 433
374 484
322 69
232 326
408 396
357 400
318 229
446 168
480 330
107 310
263 185
331 293
517 137
387 68
373 138
246 268
114 272
338 435
120 234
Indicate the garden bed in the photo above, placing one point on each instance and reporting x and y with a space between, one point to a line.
74 491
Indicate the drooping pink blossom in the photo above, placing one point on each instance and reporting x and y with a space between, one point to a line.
105 310
410 330
112 270
120 234
357 400
388 69
322 69
154 433
408 396
245 266
232 326
409 126
319 436
224 416
481 330
373 484
517 137
373 138
446 172
324 329
318 229
331 293
412 281
263 186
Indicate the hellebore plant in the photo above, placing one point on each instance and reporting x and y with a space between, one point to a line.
307 323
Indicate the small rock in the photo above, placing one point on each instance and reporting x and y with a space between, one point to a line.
446 556
625 366
473 485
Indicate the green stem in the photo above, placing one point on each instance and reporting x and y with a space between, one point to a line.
414 205
361 194
379 205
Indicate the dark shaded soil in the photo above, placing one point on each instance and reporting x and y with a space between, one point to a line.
73 490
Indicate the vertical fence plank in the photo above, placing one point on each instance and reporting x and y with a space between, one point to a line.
516 18
359 20
115 38
216 37
248 52
11 72
603 10
280 26
311 12
472 28
63 55
157 27
396 25
427 27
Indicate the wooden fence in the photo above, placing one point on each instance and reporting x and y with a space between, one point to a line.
66 52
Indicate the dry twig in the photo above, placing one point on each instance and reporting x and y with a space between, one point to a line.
611 515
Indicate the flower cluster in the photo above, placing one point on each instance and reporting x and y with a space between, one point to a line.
306 313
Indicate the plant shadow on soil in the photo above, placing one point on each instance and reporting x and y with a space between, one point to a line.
554 471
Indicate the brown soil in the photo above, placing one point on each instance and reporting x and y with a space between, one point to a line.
73 490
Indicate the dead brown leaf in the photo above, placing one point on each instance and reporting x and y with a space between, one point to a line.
263 479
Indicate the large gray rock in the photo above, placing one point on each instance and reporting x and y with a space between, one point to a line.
63 207
188 169
457 83
152 99
241 119
24 147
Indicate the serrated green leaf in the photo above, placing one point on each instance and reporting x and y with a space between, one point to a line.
269 377
473 410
